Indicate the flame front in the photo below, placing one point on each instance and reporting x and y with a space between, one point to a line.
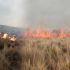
38 33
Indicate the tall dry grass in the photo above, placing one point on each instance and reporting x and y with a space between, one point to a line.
45 54
37 54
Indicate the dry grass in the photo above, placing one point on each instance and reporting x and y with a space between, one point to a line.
46 54
37 54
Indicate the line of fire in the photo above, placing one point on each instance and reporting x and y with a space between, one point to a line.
38 33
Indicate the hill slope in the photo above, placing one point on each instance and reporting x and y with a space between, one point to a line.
10 30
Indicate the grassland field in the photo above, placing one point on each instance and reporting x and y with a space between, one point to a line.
37 54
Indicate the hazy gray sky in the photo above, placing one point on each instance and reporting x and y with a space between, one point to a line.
12 12
56 13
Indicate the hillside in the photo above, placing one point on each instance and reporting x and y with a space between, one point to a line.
10 30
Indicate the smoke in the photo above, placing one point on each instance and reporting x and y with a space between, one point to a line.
13 12
54 11
27 13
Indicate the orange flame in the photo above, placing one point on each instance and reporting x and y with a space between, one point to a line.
38 33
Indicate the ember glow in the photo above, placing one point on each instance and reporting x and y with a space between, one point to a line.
39 33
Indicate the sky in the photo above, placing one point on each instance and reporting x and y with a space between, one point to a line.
46 13
12 12
55 13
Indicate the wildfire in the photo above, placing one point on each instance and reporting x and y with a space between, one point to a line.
38 33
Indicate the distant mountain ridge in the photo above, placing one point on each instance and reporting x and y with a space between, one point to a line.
10 30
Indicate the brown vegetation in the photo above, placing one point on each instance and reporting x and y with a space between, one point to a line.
46 54
37 54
